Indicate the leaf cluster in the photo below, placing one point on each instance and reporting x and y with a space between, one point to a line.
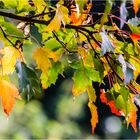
39 41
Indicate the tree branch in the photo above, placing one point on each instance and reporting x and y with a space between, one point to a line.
24 18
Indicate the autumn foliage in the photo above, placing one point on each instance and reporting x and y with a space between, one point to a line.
39 41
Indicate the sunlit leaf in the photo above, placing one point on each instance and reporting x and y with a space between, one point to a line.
41 56
10 28
50 76
94 114
21 4
91 93
81 82
8 61
93 74
61 16
136 4
10 4
40 4
120 104
8 95
132 116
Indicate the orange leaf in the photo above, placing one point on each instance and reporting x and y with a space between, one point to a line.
78 18
136 5
133 116
8 94
94 114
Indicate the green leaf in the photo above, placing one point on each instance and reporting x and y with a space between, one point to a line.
99 67
75 64
93 74
108 7
106 45
11 29
36 36
28 80
134 29
21 4
51 75
91 93
125 93
120 104
81 4
9 4
52 44
81 82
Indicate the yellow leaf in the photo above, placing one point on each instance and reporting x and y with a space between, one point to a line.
91 93
61 15
8 61
41 7
41 56
21 4
40 4
56 54
8 94
94 114
136 5
86 56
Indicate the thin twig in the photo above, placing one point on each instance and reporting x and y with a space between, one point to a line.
5 35
62 43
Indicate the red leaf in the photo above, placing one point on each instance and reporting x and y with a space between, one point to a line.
110 103
114 109
135 37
